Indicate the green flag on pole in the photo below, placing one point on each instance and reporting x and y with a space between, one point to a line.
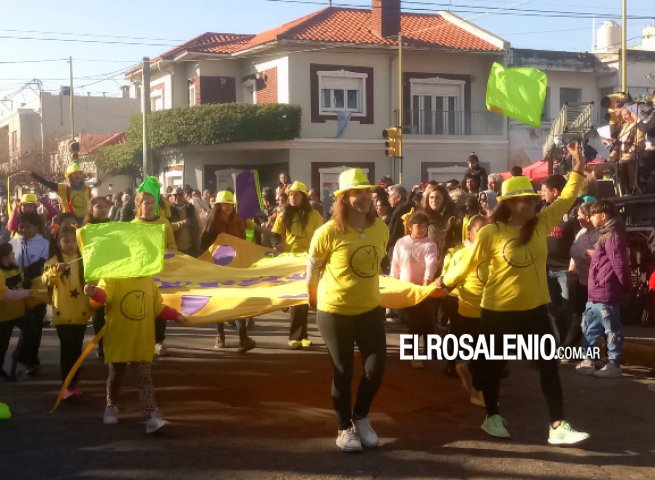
121 250
517 93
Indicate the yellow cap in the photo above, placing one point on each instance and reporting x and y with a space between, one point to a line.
353 179
28 198
72 168
517 187
297 187
5 413
224 196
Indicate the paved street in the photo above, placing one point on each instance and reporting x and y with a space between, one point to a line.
268 415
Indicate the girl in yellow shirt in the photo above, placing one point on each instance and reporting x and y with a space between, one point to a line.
63 274
515 297
343 283
292 232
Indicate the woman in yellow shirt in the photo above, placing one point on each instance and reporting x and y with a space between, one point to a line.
515 297
292 232
343 284
145 213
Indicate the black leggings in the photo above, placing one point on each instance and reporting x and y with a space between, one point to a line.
340 333
489 372
71 338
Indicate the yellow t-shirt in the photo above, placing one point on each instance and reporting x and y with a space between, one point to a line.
350 281
70 306
469 292
170 236
449 261
517 274
130 310
297 238
10 309
74 201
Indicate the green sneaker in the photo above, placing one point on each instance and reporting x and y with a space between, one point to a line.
565 434
306 342
295 344
495 426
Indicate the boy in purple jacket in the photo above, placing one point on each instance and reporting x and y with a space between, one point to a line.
609 282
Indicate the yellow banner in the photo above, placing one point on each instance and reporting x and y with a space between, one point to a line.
207 292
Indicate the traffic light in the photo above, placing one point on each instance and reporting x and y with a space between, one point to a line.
394 142
74 150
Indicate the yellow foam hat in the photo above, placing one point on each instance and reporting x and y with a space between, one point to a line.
28 198
72 168
517 187
297 187
224 196
353 179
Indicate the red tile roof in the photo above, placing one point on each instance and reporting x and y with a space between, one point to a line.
209 42
353 26
92 142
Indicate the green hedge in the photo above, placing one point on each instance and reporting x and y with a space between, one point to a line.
199 125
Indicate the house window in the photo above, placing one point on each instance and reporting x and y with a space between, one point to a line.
569 95
342 91
545 111
249 89
192 94
14 142
224 179
437 106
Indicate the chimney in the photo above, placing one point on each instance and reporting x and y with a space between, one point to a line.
125 91
385 17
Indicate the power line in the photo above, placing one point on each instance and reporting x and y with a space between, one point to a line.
94 35
77 40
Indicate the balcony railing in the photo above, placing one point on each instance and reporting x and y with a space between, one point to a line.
431 122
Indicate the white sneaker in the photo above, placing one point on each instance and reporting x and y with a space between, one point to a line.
111 415
161 350
155 422
366 434
586 367
418 364
348 441
565 434
611 370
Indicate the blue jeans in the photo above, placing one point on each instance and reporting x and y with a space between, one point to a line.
604 318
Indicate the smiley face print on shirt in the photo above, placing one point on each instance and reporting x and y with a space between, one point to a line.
365 261
133 305
517 256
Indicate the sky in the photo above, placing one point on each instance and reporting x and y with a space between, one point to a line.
105 38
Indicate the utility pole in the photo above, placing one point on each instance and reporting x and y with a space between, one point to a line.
145 110
624 47
72 96
399 124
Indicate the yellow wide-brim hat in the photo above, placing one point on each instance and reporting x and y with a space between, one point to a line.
517 187
353 179
297 187
224 196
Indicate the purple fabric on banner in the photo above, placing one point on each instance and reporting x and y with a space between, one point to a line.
245 187
193 303
223 255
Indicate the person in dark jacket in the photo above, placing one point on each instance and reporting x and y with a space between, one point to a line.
609 283
475 170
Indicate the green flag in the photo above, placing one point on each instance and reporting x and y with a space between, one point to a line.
121 250
151 185
517 93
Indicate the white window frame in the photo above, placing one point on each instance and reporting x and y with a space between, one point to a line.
438 87
157 100
192 94
342 80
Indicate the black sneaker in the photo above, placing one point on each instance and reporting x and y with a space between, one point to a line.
246 344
